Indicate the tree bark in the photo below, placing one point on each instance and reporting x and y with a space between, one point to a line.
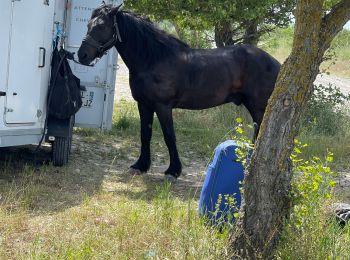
251 34
223 36
268 181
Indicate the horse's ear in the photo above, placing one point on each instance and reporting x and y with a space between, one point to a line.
114 10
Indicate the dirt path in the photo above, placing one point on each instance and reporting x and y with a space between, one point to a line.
122 89
340 82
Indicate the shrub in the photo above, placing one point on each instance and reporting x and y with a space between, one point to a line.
326 112
312 232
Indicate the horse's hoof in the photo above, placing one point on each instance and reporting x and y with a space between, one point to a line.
175 173
142 167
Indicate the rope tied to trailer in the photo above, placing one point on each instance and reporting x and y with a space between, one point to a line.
58 35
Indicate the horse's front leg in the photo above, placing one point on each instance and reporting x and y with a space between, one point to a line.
165 117
146 116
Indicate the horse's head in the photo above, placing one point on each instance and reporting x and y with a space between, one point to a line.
102 34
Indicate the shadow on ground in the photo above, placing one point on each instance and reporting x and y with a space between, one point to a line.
29 181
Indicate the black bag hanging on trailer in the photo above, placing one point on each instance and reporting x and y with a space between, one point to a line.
64 98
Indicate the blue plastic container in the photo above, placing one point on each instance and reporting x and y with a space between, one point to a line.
224 177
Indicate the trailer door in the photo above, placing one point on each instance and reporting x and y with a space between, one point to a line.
29 60
5 26
99 80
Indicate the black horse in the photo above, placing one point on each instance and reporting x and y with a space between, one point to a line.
165 73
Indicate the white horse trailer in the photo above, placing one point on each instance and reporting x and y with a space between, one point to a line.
28 29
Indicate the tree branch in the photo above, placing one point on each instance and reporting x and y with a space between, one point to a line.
332 23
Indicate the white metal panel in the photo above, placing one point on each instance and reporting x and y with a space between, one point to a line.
60 9
27 82
99 80
5 15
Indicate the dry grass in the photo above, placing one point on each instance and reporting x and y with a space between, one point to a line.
279 45
94 209
126 218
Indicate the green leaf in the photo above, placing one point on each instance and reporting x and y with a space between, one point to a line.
239 120
239 130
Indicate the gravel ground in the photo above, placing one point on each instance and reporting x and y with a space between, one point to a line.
342 83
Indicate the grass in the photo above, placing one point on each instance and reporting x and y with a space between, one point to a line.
51 215
94 209
101 212
279 44
192 127
318 236
320 144
107 226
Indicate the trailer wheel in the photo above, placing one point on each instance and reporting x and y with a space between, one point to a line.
61 150
62 146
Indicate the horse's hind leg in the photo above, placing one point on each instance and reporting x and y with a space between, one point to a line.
146 117
165 117
257 114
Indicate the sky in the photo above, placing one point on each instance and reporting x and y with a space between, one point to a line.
347 26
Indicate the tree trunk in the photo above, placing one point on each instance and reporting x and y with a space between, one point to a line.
251 35
268 181
223 36
196 39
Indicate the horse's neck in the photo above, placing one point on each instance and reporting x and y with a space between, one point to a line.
138 50
125 48
129 57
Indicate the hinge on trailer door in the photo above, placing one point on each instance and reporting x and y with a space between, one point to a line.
8 110
2 93
115 67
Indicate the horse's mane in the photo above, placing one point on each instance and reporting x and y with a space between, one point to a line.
147 40
150 43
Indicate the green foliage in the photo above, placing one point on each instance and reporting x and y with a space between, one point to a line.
230 211
245 144
281 38
197 14
279 44
312 231
195 38
318 236
325 112
207 15
341 45
314 178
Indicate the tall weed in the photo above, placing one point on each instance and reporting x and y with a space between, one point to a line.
312 231
326 112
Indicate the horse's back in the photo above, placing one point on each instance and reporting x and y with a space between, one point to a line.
261 69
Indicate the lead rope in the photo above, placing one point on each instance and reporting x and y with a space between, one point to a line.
70 56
